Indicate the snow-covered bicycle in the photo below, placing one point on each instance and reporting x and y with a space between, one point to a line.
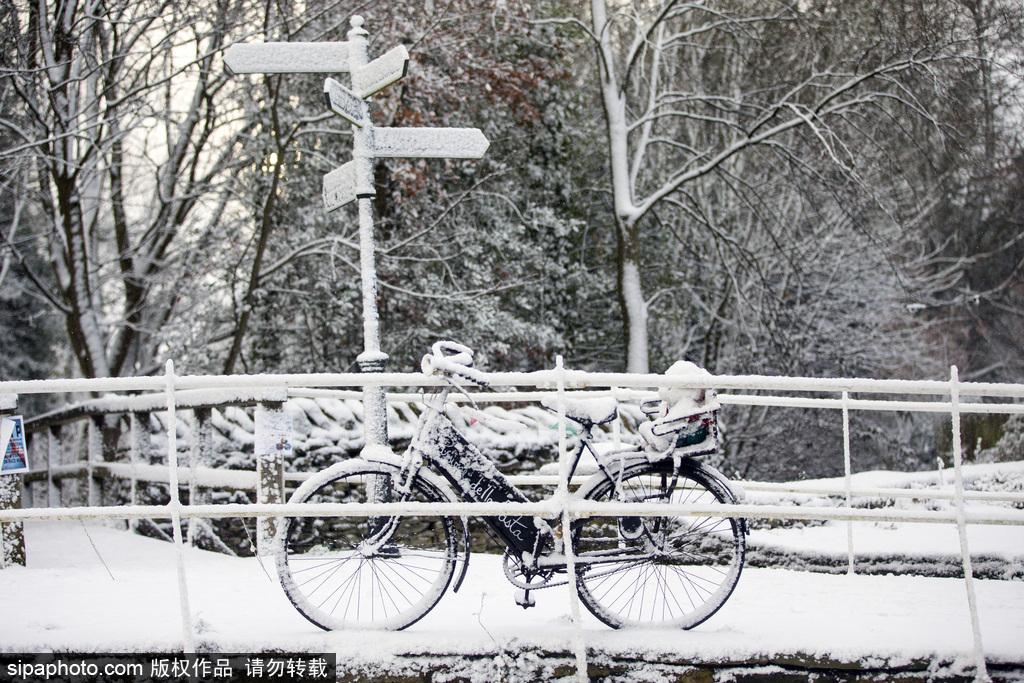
388 572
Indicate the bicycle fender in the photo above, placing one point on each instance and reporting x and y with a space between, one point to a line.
609 468
380 457
735 490
442 485
738 494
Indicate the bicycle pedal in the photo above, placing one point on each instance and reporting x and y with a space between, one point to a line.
524 599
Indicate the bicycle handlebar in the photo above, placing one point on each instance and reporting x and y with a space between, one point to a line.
454 361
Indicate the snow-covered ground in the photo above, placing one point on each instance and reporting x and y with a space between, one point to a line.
65 599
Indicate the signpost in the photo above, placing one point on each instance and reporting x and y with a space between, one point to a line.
353 181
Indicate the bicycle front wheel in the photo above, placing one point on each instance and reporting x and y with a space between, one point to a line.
672 571
366 572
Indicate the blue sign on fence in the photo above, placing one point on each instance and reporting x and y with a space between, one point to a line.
12 445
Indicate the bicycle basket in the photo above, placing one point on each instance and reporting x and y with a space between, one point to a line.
693 434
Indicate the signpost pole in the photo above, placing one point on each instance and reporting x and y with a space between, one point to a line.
372 359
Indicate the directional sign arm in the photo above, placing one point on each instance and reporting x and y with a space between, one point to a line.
438 143
381 72
283 58
344 102
340 186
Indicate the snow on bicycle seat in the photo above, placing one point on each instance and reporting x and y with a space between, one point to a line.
583 409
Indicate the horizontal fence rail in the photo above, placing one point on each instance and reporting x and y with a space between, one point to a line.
199 398
547 508
246 479
212 477
548 379
171 392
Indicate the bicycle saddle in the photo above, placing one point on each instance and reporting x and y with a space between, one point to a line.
587 411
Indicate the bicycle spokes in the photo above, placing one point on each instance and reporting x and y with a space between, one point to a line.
376 572
667 570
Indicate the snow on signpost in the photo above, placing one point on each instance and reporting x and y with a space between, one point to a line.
353 181
287 58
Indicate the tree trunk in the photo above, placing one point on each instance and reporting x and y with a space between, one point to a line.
631 299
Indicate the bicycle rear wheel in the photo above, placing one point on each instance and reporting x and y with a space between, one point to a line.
341 572
672 571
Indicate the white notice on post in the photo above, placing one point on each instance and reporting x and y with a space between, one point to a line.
274 437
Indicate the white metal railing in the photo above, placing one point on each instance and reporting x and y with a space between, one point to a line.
215 477
620 385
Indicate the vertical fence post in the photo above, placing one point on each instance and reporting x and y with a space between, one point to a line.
617 422
201 455
12 534
175 505
53 456
981 669
578 645
273 444
849 485
93 455
139 443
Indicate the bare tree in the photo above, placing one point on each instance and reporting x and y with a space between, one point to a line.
689 89
117 130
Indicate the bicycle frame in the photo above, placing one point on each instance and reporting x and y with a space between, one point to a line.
439 445
477 480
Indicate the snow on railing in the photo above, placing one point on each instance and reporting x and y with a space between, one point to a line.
202 391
